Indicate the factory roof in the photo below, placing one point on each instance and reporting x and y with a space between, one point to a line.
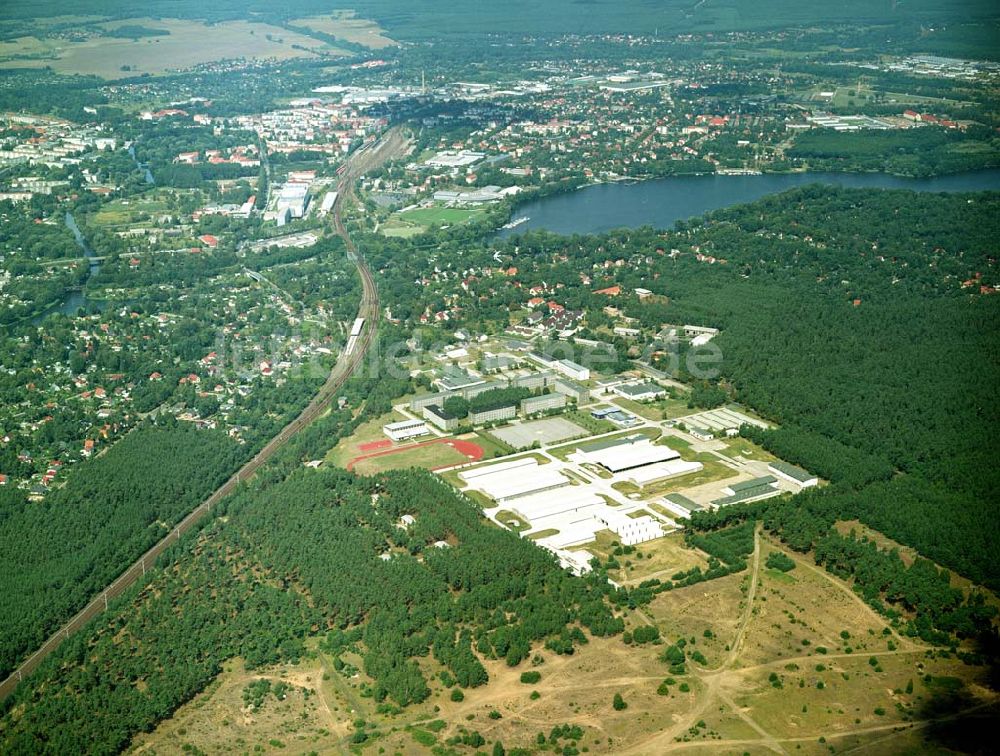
629 455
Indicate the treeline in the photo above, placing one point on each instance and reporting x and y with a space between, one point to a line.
56 554
497 398
257 585
912 152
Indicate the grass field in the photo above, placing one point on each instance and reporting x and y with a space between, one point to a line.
427 455
416 221
346 26
188 43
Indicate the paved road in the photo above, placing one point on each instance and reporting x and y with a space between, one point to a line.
391 144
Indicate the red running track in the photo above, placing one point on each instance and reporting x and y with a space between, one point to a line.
472 451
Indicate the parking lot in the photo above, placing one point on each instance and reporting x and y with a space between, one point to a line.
548 430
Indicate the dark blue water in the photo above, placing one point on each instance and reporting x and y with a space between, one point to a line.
662 202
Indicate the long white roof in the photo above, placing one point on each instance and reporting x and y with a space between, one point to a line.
626 456
506 483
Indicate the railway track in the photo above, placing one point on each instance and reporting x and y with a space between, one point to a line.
363 161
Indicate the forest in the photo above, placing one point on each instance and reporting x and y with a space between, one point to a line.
260 583
56 554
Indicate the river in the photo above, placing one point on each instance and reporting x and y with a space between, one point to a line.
74 299
662 202
141 166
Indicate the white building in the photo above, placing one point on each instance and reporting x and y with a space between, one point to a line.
640 392
793 474
293 197
507 481
629 530
572 370
405 429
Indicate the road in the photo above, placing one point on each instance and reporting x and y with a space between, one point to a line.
391 144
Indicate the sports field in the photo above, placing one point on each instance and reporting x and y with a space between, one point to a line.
416 221
434 454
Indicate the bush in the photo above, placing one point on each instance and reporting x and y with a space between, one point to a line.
457 695
779 560
619 703
531 677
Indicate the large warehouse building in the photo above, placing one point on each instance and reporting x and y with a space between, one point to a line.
508 481
636 459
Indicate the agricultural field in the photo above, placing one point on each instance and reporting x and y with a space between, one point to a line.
346 26
185 44
746 686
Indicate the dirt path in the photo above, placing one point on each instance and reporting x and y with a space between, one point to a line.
715 680
842 588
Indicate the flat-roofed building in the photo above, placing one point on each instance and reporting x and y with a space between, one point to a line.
418 403
572 370
640 392
623 454
405 429
573 390
534 404
493 415
532 380
631 530
440 417
455 378
506 482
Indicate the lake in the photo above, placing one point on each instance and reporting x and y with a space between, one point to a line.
662 202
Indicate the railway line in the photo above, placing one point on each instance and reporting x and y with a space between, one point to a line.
390 144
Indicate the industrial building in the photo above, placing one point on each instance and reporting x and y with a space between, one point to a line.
681 505
508 481
749 490
405 429
640 392
293 197
455 378
636 459
328 202
793 474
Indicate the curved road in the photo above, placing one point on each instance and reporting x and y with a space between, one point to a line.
363 160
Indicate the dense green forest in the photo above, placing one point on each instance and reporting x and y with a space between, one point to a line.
56 554
426 18
301 557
